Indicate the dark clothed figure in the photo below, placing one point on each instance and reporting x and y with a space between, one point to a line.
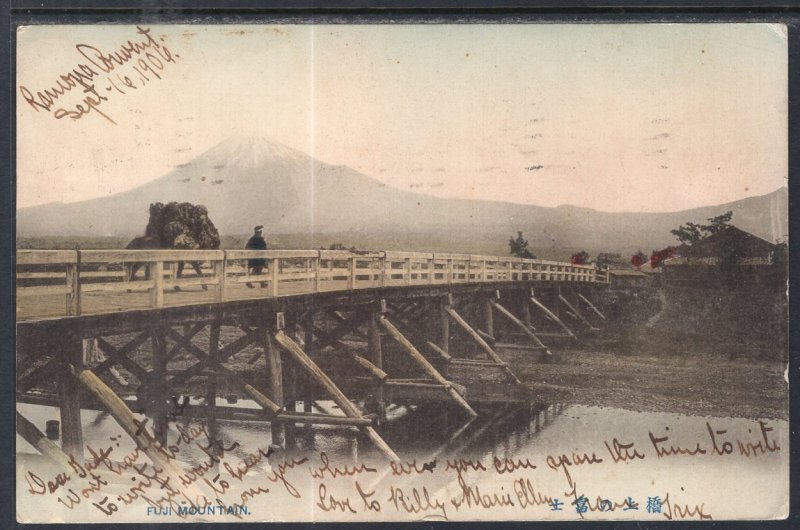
256 266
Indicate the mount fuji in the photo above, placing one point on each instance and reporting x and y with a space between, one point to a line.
245 181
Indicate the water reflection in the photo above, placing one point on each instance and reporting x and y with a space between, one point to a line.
431 435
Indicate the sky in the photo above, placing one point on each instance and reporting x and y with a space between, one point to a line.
646 117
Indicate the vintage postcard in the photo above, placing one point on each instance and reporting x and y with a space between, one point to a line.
401 272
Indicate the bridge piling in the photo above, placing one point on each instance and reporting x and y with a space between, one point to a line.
444 322
275 379
211 381
308 344
69 399
290 377
155 402
526 313
376 357
488 317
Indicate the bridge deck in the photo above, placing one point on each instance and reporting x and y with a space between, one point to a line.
52 284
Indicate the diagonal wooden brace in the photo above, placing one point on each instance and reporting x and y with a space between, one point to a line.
31 434
591 306
482 343
576 313
142 435
552 316
521 325
347 406
423 362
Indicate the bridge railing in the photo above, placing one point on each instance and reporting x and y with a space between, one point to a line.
113 280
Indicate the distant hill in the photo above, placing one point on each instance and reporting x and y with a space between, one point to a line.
248 181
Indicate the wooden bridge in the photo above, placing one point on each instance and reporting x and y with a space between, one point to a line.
373 329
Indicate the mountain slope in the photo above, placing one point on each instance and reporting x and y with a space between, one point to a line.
248 181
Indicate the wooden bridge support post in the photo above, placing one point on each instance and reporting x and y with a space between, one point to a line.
376 357
156 402
211 389
70 404
488 316
556 298
290 388
444 319
275 374
308 383
526 312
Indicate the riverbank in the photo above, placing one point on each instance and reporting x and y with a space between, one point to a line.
697 385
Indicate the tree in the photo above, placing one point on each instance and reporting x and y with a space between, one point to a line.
691 233
579 258
638 259
718 223
688 234
519 247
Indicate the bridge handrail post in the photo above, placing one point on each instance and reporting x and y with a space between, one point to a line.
382 261
274 272
74 285
156 269
449 275
431 269
407 267
351 276
220 267
317 269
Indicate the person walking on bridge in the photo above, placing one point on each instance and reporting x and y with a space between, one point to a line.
256 265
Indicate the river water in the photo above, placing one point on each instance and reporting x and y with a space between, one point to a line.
517 463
